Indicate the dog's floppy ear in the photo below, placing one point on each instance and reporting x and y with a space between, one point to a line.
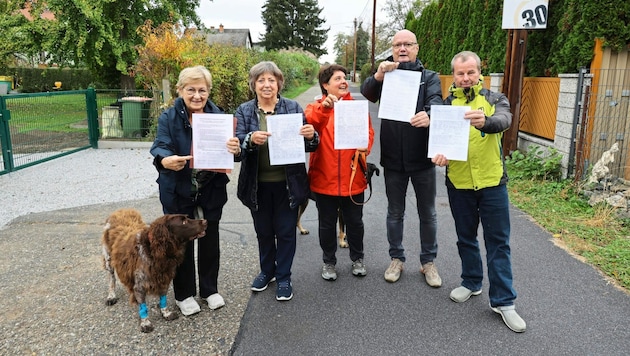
158 236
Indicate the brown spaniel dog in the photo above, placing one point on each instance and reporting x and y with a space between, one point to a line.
145 257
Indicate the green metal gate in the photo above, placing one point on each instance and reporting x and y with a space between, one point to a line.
38 127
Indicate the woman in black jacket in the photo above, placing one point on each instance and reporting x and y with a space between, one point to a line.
272 193
183 190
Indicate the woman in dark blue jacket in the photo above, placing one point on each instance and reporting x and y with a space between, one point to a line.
197 193
272 193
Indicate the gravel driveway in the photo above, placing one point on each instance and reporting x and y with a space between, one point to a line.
53 283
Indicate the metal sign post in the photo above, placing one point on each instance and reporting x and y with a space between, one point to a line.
518 18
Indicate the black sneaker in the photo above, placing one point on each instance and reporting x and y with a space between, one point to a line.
261 282
284 290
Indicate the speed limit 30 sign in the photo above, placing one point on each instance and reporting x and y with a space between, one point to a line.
525 14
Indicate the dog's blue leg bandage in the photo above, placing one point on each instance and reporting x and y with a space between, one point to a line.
162 301
143 311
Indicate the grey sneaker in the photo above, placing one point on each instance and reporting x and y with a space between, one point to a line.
328 272
431 275
511 318
392 274
358 268
462 294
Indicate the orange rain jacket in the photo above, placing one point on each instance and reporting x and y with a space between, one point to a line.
329 169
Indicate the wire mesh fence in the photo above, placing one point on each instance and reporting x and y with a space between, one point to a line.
36 127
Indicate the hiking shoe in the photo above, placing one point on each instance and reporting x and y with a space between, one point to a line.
462 294
392 274
511 318
284 291
328 272
188 306
261 282
431 275
215 301
358 268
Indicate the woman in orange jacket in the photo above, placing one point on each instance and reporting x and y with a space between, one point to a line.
330 172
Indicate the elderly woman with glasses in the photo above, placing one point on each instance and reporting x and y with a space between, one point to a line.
197 193
273 193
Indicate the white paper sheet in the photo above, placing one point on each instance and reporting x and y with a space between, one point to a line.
449 132
210 135
399 95
286 145
351 124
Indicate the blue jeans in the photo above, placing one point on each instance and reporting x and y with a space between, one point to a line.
491 207
274 223
423 183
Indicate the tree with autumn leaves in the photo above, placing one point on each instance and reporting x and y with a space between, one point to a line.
167 49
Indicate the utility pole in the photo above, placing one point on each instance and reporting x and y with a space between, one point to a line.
513 84
373 36
354 64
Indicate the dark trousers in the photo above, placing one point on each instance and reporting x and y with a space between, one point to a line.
274 223
327 211
184 284
423 183
211 199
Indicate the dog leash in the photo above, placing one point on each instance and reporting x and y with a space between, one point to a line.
354 165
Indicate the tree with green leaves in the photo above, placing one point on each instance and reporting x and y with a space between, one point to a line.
23 42
397 12
102 34
294 24
344 48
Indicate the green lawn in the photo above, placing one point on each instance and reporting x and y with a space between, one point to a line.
596 234
58 113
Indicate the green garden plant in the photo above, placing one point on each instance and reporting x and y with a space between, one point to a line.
595 233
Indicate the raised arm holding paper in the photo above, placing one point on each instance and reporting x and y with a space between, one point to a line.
404 147
346 129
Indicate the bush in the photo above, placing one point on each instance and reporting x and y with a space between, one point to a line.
298 68
35 80
535 164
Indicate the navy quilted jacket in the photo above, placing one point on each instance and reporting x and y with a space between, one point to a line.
296 176
174 137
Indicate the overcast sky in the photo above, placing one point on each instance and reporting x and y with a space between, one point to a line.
339 16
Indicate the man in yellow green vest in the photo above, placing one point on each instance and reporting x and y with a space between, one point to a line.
477 191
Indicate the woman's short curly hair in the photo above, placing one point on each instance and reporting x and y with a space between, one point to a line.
326 72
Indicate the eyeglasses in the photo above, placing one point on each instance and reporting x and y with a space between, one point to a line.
192 91
405 44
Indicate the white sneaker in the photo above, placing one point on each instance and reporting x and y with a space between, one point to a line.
215 301
511 318
188 306
462 294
